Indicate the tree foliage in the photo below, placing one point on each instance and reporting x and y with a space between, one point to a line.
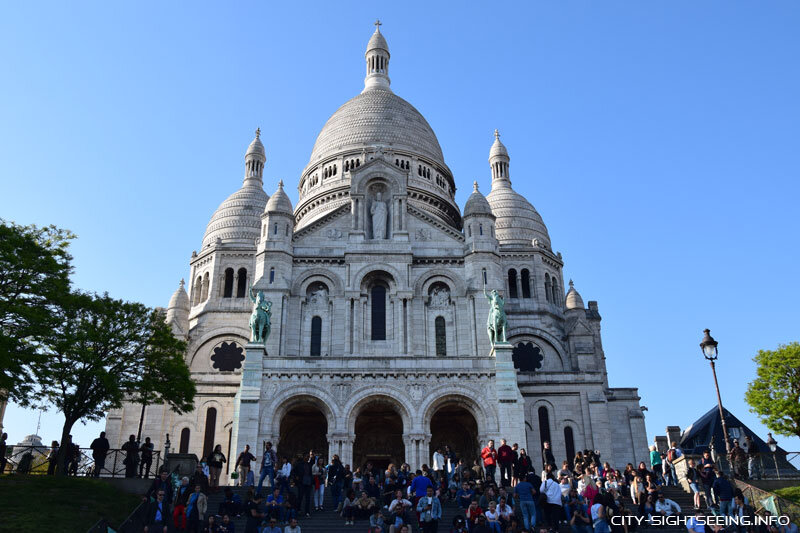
104 351
34 276
775 393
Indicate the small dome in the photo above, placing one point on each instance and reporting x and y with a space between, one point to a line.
477 204
518 223
238 219
179 300
377 41
498 148
573 299
279 202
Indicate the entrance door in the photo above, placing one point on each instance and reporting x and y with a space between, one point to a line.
379 436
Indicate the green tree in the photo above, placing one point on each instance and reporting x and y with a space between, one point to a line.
34 275
104 351
775 393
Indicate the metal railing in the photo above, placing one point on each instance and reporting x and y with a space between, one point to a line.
34 460
757 496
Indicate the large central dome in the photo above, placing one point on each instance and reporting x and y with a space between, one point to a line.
376 124
377 118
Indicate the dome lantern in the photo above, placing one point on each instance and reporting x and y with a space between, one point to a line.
254 159
499 162
377 56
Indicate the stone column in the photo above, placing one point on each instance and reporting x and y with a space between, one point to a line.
510 406
246 414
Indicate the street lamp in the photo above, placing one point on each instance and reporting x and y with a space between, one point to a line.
773 447
709 347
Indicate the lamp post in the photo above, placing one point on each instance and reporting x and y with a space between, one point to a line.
773 447
709 347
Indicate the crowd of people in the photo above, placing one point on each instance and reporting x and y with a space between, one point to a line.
499 492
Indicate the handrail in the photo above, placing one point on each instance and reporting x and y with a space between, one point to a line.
34 460
782 506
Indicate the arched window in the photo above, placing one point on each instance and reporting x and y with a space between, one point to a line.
241 283
183 447
211 432
569 444
480 229
556 296
378 298
544 427
441 336
272 274
526 283
469 229
316 336
228 290
275 230
204 294
512 284
197 291
485 277
548 288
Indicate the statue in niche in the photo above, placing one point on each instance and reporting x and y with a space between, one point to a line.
379 213
440 298
319 296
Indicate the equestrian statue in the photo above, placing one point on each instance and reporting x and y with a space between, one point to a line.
497 323
260 319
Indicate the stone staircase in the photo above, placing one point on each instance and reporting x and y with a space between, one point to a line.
328 521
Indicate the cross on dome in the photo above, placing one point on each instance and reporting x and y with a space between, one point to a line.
258 133
475 186
496 134
378 24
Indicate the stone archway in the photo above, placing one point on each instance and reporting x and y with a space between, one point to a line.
455 426
378 435
303 427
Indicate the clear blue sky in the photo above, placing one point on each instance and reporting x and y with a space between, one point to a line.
659 141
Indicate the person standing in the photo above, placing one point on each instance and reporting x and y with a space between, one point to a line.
551 490
723 490
268 462
147 457
3 450
751 449
243 464
52 458
655 464
336 480
131 449
505 458
215 462
438 465
306 477
547 457
100 447
430 511
489 456
527 502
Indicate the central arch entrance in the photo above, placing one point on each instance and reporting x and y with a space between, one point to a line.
453 425
379 435
304 427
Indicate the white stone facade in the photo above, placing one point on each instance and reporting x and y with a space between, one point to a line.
378 348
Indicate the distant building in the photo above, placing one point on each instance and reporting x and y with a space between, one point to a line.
706 434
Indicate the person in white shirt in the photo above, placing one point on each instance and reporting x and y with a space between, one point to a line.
398 509
282 476
666 507
493 517
438 464
552 509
